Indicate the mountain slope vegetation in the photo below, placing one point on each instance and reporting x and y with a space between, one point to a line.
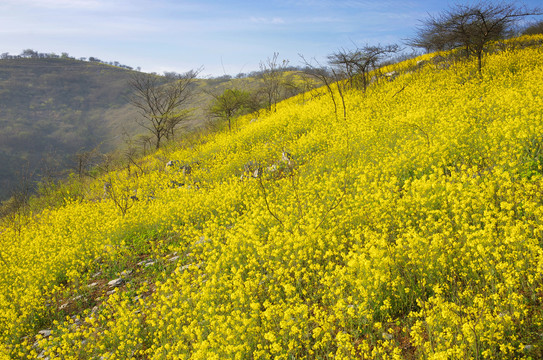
53 110
409 228
50 109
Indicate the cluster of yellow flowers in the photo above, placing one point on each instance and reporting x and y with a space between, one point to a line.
410 229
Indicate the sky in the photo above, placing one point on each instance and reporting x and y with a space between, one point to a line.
222 37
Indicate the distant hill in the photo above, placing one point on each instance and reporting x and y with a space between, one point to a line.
52 108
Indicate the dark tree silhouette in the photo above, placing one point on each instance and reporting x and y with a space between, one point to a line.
469 26
534 29
356 64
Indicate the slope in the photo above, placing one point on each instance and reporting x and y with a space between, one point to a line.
410 229
52 108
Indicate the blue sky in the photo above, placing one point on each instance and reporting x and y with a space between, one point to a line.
222 36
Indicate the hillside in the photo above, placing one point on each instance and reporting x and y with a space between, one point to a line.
52 108
410 229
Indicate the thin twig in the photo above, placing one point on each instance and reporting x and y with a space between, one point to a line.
399 91
419 129
268 205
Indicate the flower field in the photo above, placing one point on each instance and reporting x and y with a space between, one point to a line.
411 228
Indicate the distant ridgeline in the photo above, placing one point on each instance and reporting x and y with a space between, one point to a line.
32 54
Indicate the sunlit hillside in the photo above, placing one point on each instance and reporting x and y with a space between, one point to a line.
411 228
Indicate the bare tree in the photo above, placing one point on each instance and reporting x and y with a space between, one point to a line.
355 65
469 26
118 185
271 73
86 160
328 76
121 193
162 101
346 61
131 154
534 28
306 85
